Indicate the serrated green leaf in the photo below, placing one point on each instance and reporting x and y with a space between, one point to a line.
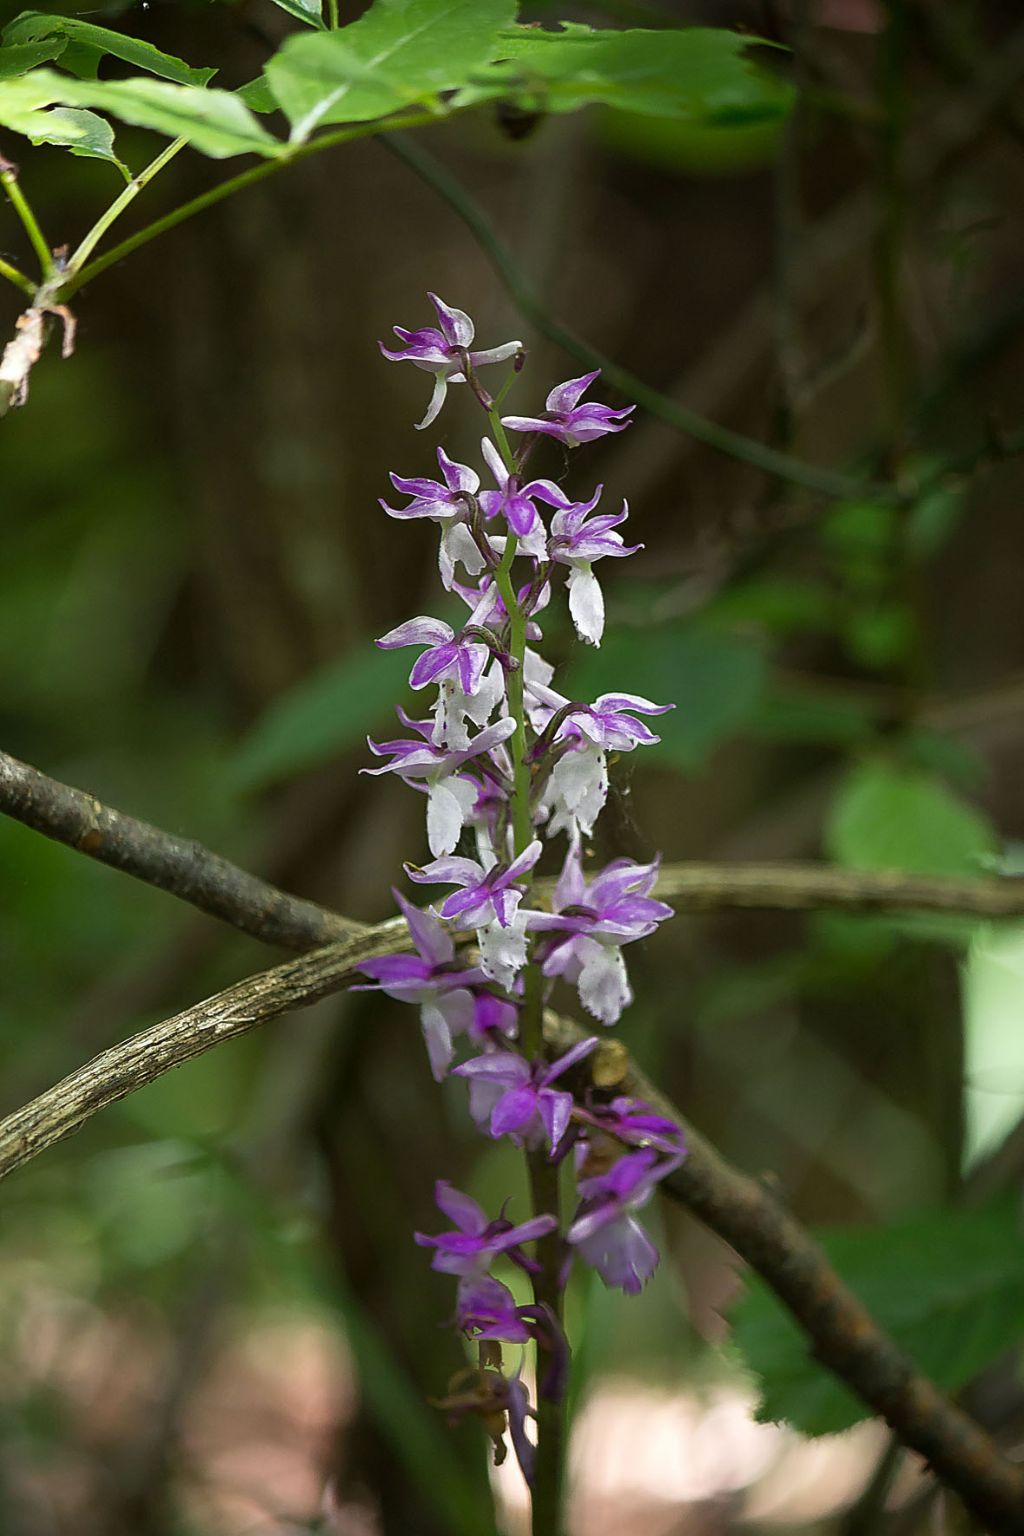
322 716
215 122
714 679
947 1286
309 11
399 53
699 74
889 817
94 42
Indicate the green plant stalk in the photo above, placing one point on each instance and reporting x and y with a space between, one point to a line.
12 274
217 194
543 1175
135 185
21 206
332 12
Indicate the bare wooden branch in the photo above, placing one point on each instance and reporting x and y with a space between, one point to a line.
140 1060
843 1335
804 887
178 865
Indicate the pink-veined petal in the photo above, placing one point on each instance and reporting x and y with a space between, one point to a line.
565 396
456 326
423 630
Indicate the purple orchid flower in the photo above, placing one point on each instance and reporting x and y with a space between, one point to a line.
576 791
577 543
444 352
569 421
512 1097
448 504
451 800
635 1123
608 723
487 606
488 895
596 920
431 978
494 1019
447 655
474 1245
486 1309
513 500
605 1232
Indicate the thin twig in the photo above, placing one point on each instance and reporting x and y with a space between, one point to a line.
30 224
134 1063
14 275
180 866
806 887
186 869
844 1337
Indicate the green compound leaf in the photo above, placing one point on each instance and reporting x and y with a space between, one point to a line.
88 44
889 817
400 53
322 716
948 1287
214 122
699 74
715 680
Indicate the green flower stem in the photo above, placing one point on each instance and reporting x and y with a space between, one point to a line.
217 194
21 206
19 279
549 1473
332 13
125 200
543 1175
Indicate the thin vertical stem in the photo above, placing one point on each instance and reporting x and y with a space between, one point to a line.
543 1174
332 14
22 207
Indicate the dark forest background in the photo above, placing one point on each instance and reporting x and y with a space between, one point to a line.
210 1305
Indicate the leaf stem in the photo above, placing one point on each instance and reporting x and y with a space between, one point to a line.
217 194
13 275
120 203
332 12
22 207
